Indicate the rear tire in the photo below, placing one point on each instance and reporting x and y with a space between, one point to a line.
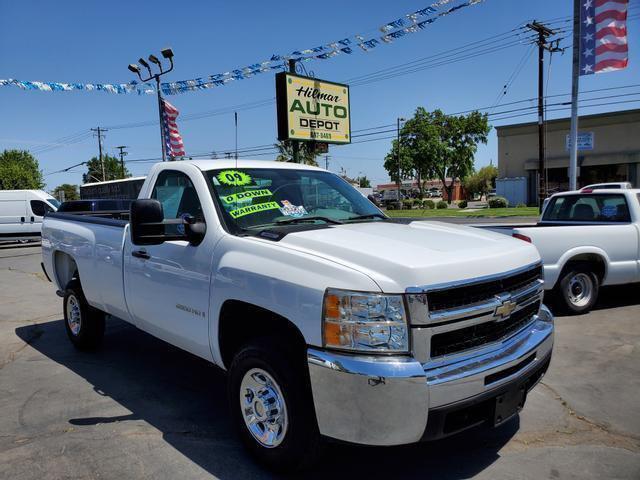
577 290
272 407
83 323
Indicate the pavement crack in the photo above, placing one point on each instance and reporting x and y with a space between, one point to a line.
592 424
33 334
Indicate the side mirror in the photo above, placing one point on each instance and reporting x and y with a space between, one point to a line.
146 222
194 230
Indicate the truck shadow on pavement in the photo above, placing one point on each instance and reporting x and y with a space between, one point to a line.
184 397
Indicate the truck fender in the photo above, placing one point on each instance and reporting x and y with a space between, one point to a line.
65 268
552 272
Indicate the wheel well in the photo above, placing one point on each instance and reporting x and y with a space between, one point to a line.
595 262
241 322
64 268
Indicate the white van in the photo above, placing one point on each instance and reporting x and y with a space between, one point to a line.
21 213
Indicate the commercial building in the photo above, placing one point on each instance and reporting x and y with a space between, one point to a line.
609 151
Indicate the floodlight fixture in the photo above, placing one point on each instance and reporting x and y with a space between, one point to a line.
167 53
154 59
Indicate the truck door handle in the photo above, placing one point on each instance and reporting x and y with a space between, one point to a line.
32 219
21 219
141 254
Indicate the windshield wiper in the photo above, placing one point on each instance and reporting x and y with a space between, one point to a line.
308 219
369 215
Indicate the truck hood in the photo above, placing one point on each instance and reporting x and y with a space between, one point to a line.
398 256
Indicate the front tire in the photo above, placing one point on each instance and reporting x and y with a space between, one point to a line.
272 407
578 290
83 323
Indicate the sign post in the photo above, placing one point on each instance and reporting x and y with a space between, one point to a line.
312 110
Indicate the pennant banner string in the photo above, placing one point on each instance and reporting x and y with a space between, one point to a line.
396 29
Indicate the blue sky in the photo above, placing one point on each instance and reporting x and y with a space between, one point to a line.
76 41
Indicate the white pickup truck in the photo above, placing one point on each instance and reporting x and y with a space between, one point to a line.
331 320
587 238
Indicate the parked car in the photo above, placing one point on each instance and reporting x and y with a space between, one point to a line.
607 186
587 239
330 319
21 213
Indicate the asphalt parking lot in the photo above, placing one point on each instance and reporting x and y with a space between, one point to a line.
140 408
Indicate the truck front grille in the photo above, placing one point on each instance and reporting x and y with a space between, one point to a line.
477 335
473 293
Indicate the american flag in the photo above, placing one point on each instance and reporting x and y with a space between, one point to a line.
172 139
603 36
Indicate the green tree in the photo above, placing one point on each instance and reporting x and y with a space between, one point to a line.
443 146
19 170
70 192
406 164
481 182
306 152
363 182
112 170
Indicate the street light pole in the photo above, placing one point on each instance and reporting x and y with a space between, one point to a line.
400 119
168 54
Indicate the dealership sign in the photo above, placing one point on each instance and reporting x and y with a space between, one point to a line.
312 110
585 141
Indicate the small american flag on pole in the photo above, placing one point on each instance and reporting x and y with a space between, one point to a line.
603 36
172 139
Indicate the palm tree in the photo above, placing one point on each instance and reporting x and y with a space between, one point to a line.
306 152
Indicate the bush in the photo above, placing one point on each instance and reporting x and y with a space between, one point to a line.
391 206
407 203
428 204
521 205
462 204
498 202
441 205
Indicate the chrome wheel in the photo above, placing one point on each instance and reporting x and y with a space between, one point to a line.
74 316
263 408
580 289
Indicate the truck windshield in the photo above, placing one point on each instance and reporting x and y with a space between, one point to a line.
587 208
260 197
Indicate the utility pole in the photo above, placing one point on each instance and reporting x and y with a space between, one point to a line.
326 162
122 155
100 134
398 157
295 146
543 33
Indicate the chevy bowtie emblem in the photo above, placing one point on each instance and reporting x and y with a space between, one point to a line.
505 309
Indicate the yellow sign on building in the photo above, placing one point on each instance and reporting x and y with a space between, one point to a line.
312 110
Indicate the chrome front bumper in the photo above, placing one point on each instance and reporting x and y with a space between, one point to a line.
385 400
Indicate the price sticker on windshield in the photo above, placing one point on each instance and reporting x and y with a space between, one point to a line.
234 178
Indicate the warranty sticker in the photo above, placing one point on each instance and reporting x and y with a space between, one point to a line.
248 195
249 209
234 178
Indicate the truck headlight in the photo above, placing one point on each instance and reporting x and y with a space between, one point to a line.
360 321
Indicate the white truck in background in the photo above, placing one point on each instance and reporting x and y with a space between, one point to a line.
587 239
331 320
21 213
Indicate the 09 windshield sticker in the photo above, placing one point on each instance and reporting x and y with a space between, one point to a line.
246 195
291 210
249 209
234 178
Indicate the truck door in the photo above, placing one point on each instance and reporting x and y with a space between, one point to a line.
167 285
